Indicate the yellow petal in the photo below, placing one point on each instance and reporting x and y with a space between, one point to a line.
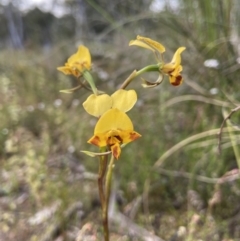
176 60
124 100
140 44
80 60
96 105
167 68
113 119
148 43
176 71
82 54
69 70
129 136
99 139
65 69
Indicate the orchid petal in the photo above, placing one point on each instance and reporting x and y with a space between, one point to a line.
99 139
140 44
148 43
113 119
82 57
124 100
96 105
176 60
129 136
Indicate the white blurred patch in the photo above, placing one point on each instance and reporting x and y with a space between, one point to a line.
213 91
71 149
140 103
75 102
103 75
57 102
41 106
159 5
30 108
211 63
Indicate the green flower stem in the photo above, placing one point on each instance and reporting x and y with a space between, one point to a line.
106 203
149 68
101 173
135 73
88 77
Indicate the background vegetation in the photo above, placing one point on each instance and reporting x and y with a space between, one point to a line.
172 182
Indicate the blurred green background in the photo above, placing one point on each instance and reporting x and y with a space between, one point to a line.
187 189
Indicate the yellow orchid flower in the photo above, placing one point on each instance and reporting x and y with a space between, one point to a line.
113 129
77 63
122 100
172 69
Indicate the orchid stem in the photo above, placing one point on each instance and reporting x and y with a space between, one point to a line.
101 173
135 73
106 203
149 68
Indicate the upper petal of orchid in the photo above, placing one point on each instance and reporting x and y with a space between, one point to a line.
81 59
124 100
176 60
113 119
148 43
97 105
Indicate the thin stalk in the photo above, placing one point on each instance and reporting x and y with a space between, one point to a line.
106 203
101 173
233 138
149 68
135 73
185 142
